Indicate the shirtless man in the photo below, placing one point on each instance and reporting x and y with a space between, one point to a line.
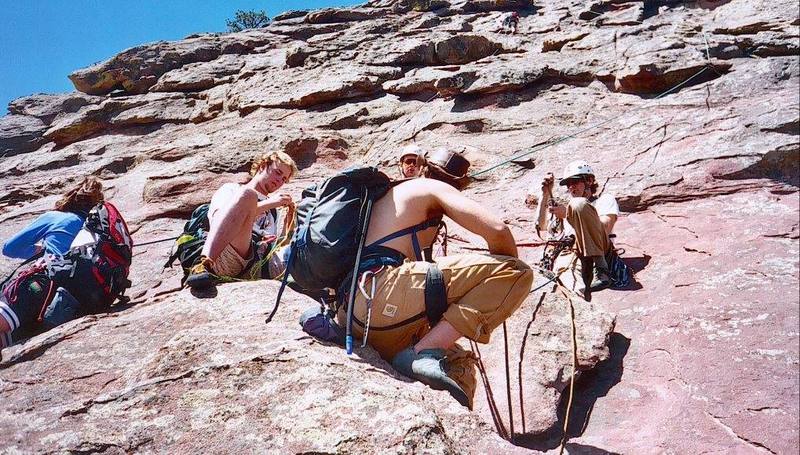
479 291
235 211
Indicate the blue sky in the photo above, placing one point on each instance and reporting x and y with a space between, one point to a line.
42 41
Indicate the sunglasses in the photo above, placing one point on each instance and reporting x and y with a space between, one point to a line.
571 182
410 161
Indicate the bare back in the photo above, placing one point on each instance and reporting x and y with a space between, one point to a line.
418 200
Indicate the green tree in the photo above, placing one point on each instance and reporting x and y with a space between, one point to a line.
247 19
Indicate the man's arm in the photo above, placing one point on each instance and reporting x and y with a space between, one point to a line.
474 218
608 222
608 209
23 244
545 194
273 202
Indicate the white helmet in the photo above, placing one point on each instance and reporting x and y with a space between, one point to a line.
411 149
575 169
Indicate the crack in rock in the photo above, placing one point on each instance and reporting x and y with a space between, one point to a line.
754 444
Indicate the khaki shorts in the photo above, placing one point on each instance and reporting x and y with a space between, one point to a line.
482 292
230 263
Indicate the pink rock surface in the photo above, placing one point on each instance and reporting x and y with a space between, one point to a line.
703 356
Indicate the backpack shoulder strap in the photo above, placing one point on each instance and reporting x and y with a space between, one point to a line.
411 230
24 263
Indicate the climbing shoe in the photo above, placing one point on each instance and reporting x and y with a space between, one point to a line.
429 367
200 276
602 277
587 275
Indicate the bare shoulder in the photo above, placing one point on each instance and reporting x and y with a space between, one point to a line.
224 194
228 188
424 187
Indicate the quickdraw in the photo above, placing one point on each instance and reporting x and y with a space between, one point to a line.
368 297
552 249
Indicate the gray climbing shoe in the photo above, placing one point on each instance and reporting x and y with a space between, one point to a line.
602 277
429 367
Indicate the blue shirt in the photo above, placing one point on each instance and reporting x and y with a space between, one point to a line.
55 229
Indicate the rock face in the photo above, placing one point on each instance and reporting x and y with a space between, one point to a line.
267 388
688 112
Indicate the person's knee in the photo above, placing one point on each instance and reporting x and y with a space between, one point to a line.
241 205
518 265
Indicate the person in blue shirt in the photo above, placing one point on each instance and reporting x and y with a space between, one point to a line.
55 230
52 233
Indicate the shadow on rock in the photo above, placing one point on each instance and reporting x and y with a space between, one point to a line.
30 346
208 293
590 386
637 264
512 96
595 384
581 449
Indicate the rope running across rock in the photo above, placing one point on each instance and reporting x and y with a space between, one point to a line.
588 128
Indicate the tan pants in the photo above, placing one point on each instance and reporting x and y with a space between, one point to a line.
482 292
590 240
590 235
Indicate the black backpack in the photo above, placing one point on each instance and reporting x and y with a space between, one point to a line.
330 217
189 245
332 221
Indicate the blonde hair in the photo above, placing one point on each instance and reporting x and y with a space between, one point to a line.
83 197
267 159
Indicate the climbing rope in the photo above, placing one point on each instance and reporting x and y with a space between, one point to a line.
508 386
493 410
156 241
568 294
565 436
254 272
588 128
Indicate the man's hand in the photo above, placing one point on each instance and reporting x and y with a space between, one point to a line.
559 211
279 200
547 183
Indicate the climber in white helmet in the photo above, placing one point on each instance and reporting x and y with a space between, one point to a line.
411 161
590 218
